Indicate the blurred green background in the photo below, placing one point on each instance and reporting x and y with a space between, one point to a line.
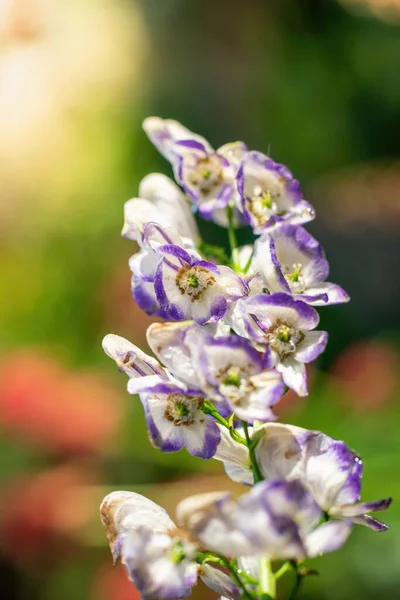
313 82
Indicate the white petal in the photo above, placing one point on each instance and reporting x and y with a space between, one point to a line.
262 262
278 452
170 204
235 457
327 537
167 342
294 375
129 357
219 581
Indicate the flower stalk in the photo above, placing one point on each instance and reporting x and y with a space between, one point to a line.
237 333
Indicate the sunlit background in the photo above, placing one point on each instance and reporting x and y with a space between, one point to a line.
313 82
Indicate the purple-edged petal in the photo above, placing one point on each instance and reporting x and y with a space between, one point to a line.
148 559
313 344
256 405
270 196
290 260
327 537
266 261
292 500
159 385
168 293
334 294
211 310
284 307
163 133
370 522
175 421
202 439
360 508
130 358
144 295
163 433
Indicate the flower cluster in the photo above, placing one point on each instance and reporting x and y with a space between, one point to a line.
238 331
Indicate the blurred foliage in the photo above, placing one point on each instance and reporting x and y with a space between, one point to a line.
309 81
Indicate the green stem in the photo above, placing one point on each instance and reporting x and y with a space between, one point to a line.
209 409
236 577
297 583
232 239
253 460
267 584
284 569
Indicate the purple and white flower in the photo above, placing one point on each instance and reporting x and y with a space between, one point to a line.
231 371
159 561
206 175
160 201
292 261
284 327
327 467
188 287
144 264
129 358
172 408
269 195
276 519
227 369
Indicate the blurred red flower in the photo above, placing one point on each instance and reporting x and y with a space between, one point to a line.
42 515
113 582
368 372
55 408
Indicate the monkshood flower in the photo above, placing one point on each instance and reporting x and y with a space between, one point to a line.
269 195
227 369
327 467
284 327
233 372
161 201
172 408
188 287
206 175
160 562
277 520
144 264
292 261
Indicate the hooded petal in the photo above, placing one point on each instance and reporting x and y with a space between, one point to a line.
167 341
161 201
163 133
122 512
